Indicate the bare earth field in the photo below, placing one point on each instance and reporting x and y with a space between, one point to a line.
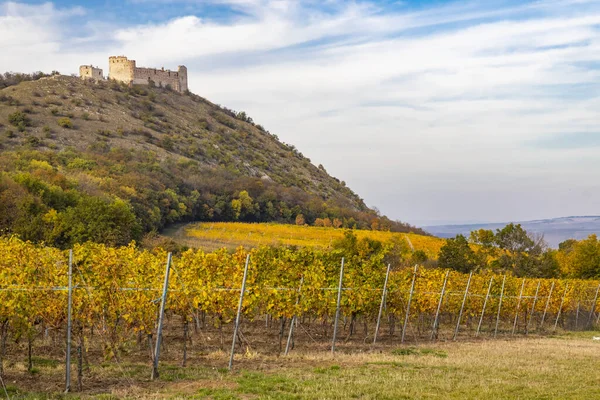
559 367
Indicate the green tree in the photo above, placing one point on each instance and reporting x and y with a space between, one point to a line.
97 220
419 257
456 254
523 254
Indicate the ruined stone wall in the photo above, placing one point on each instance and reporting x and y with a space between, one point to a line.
90 72
124 70
160 77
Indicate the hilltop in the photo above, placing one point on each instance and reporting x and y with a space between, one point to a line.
105 162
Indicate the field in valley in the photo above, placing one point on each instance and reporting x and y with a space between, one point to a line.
215 235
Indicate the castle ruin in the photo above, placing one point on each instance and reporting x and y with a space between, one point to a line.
124 70
90 72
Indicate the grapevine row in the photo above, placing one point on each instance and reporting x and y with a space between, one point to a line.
117 288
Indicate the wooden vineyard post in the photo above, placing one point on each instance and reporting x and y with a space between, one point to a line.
499 306
462 307
439 307
560 308
161 317
412 289
69 325
487 295
547 304
518 306
239 312
383 295
593 308
337 307
537 290
289 339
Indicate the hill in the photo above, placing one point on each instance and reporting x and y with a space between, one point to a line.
555 230
106 162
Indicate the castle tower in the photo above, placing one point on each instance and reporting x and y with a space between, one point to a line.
183 78
121 69
90 72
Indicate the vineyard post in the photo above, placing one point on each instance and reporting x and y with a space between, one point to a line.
487 295
560 308
499 306
69 315
412 289
439 307
547 304
462 307
337 307
289 339
161 317
239 312
577 315
518 306
533 307
593 309
383 295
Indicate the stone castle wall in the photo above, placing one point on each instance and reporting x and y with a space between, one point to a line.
124 70
90 72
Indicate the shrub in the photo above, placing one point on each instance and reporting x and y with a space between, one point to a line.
65 122
32 141
18 118
103 132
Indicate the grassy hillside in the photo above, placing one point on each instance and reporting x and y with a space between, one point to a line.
210 236
125 161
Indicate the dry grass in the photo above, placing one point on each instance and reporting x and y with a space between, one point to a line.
565 367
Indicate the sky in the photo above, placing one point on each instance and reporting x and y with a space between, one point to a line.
432 111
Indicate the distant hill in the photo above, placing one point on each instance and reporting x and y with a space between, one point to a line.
555 230
105 162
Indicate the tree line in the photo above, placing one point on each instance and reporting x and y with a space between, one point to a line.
67 197
511 249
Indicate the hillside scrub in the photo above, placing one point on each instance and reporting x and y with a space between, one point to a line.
158 156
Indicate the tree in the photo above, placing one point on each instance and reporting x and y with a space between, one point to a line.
580 259
457 254
516 239
300 219
243 206
419 257
96 220
524 254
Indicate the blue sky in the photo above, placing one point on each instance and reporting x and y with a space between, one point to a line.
433 111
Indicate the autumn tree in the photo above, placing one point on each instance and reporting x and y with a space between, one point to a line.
580 259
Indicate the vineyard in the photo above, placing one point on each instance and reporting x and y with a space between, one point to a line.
215 235
117 293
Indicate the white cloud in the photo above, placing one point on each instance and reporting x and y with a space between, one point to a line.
428 115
